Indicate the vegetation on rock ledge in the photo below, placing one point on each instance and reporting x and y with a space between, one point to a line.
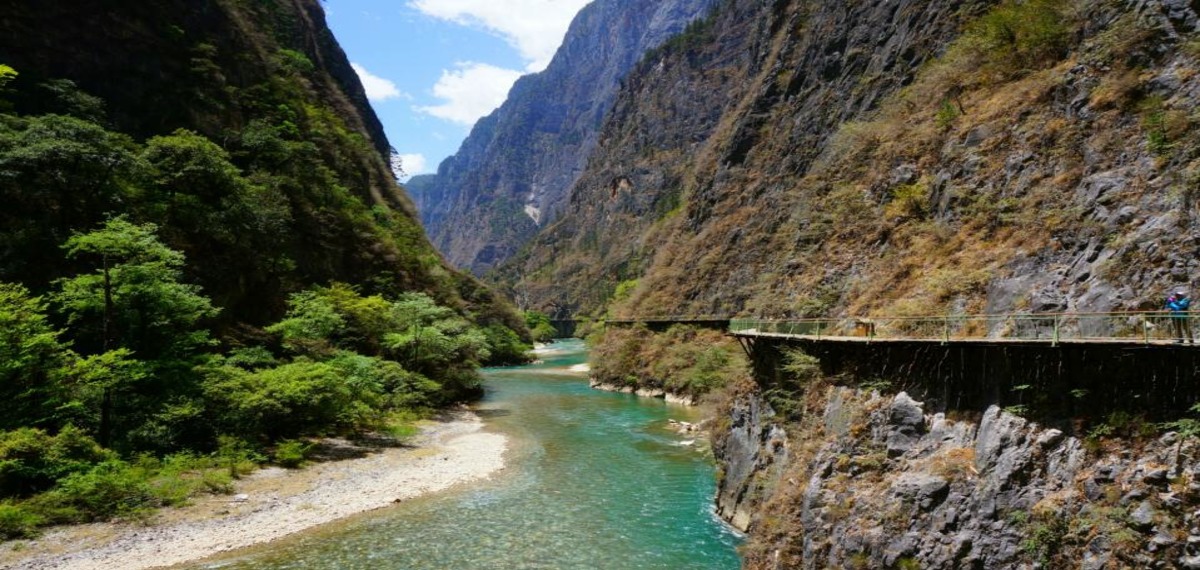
684 360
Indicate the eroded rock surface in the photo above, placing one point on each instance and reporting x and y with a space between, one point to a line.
897 485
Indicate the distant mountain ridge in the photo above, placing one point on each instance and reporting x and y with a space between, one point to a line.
512 174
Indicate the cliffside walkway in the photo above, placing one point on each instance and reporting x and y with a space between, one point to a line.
1053 365
1117 328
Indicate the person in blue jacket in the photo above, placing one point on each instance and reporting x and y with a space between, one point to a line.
1178 304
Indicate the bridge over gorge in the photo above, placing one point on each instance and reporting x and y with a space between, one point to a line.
1053 365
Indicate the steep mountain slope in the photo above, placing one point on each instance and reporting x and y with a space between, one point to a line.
512 174
907 157
911 157
298 189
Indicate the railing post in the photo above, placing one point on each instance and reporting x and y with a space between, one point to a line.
818 330
946 329
1054 342
1146 329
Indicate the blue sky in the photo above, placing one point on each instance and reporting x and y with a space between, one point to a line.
434 67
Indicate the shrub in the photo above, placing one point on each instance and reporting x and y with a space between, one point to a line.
237 455
1187 426
291 453
299 398
909 201
176 478
1019 36
403 424
624 290
17 521
947 112
110 489
32 460
405 390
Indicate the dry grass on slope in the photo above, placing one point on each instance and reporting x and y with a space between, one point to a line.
918 210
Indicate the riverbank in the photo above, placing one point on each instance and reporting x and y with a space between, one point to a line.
273 503
659 393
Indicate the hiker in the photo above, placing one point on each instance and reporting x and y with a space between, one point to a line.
1178 304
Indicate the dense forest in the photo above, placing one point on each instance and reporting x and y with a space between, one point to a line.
204 259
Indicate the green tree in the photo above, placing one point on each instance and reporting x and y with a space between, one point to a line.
31 358
505 346
57 174
437 342
134 298
539 325
7 74
134 301
92 384
212 212
185 163
312 326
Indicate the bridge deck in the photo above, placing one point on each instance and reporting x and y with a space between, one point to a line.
1130 342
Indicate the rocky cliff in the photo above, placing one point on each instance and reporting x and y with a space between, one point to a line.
909 157
873 481
800 158
279 178
512 174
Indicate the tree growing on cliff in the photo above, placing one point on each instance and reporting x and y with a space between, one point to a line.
133 305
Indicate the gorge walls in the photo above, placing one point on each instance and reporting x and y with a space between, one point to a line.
801 158
512 175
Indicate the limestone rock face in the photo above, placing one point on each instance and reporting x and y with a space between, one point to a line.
803 158
996 492
747 451
682 158
512 174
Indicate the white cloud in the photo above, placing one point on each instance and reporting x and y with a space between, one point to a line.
470 92
408 165
378 88
534 27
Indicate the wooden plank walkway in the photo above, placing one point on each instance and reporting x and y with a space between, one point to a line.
1111 341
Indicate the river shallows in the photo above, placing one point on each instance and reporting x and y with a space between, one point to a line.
596 481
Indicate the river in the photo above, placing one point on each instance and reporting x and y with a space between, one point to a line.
595 481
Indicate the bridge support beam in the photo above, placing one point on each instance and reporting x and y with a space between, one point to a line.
1050 383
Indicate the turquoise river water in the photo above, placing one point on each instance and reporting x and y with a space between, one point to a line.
595 481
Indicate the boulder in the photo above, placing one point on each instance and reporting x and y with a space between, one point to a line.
905 424
926 490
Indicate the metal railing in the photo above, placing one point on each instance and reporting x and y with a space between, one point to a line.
667 319
1144 326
